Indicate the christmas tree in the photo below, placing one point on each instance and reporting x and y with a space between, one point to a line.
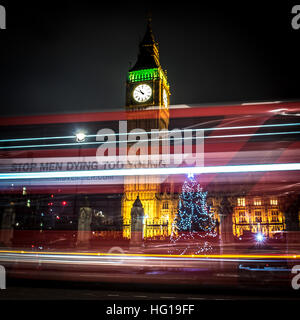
194 225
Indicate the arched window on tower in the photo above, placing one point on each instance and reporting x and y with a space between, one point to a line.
165 205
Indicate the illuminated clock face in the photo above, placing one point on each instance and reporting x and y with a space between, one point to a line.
142 93
165 98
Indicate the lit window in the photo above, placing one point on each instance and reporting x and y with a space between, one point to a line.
165 205
275 216
242 218
257 202
274 202
241 202
258 216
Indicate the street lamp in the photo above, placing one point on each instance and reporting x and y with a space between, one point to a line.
260 237
80 136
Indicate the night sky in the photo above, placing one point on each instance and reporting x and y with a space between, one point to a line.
73 56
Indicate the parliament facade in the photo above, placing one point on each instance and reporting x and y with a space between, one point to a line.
147 88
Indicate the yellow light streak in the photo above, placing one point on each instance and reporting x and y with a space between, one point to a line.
215 256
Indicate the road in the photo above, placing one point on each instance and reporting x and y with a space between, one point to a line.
93 276
28 289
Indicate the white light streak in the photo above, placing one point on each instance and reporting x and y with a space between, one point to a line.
153 171
161 131
149 140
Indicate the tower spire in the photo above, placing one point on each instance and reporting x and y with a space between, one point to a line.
149 19
148 56
149 16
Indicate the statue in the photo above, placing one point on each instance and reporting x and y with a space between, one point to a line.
137 217
84 225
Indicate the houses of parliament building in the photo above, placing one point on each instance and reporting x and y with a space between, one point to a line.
147 89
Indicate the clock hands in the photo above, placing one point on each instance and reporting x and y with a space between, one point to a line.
142 93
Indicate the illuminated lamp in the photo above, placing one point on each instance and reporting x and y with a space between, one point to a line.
260 237
80 136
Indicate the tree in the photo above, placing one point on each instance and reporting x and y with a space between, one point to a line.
194 225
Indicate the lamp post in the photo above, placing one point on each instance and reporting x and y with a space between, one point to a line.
80 137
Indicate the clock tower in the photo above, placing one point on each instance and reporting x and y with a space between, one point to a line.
147 87
147 107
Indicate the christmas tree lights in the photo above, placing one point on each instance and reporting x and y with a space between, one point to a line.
194 225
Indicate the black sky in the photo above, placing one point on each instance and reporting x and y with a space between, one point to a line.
73 56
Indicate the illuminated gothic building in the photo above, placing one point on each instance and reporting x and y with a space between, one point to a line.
147 106
254 214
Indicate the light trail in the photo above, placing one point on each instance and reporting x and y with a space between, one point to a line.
147 132
147 140
153 171
145 255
